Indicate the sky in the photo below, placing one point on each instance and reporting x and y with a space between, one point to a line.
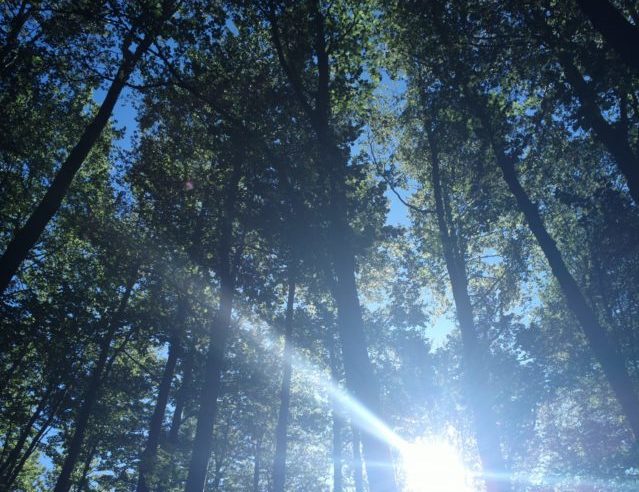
125 117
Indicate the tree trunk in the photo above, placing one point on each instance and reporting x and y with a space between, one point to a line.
9 463
620 34
86 469
202 442
281 437
12 475
614 139
360 377
337 419
91 395
26 237
147 460
358 478
605 351
181 398
337 452
257 464
475 376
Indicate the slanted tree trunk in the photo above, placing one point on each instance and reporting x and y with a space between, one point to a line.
202 442
91 394
220 330
7 465
617 31
12 474
475 373
147 460
605 351
12 38
614 139
281 435
27 236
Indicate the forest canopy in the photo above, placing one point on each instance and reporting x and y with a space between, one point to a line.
312 245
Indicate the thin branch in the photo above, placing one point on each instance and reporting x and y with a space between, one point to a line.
382 172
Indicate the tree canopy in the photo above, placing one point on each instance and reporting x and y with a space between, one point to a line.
279 245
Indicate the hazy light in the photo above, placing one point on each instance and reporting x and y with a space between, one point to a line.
434 466
428 465
346 404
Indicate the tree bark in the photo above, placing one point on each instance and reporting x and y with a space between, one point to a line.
12 474
475 376
147 460
358 478
281 437
86 469
27 236
360 377
9 463
617 31
338 423
181 398
202 443
257 465
91 394
614 139
605 351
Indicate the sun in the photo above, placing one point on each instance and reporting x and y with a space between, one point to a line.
434 466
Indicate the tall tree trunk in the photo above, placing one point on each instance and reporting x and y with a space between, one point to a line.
9 463
360 377
475 375
257 464
91 394
337 419
281 435
358 478
220 454
181 398
86 469
203 440
12 475
26 237
614 139
618 32
202 443
147 460
337 452
606 353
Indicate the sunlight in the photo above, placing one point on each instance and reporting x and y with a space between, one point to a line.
433 465
428 464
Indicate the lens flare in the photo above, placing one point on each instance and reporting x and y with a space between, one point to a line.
434 466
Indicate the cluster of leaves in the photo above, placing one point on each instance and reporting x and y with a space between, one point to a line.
270 139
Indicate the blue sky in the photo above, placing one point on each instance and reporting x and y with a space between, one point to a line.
125 115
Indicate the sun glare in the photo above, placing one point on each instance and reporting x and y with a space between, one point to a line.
433 466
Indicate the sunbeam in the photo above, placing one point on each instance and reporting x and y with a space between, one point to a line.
433 465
